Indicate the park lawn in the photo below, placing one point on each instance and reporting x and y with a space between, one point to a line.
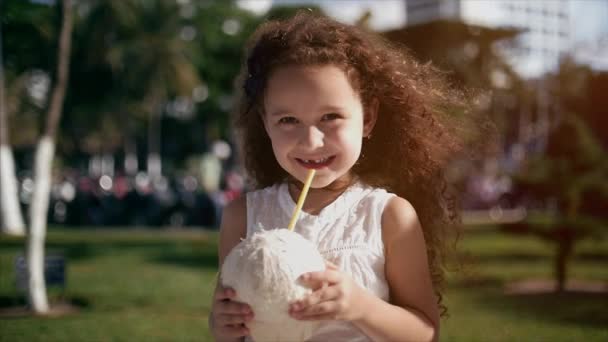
152 285
131 286
480 310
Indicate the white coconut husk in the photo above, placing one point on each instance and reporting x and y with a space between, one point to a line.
263 270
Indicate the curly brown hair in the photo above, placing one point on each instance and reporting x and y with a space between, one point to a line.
416 133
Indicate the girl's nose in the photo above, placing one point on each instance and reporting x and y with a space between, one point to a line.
312 138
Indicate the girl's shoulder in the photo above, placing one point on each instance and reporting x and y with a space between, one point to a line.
233 226
235 209
399 217
376 196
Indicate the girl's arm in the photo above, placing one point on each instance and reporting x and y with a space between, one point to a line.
233 228
413 313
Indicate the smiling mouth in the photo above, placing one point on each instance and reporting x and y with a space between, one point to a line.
317 163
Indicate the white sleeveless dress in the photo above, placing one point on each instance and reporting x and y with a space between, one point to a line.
347 233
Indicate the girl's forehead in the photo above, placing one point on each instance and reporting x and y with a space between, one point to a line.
323 71
319 82
307 89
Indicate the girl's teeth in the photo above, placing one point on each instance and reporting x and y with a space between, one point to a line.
316 161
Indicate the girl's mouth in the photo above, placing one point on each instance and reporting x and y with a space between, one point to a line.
316 164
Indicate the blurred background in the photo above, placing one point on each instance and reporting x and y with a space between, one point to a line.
145 159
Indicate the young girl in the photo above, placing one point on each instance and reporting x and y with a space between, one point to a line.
374 124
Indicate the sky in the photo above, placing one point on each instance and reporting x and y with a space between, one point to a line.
591 16
386 14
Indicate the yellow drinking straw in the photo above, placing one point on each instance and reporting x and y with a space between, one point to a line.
296 211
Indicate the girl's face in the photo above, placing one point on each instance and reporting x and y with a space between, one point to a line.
315 119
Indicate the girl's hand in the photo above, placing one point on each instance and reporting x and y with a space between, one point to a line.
335 296
228 318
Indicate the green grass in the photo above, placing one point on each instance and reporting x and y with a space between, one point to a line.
134 285
131 285
480 310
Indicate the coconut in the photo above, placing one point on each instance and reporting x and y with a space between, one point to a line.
263 270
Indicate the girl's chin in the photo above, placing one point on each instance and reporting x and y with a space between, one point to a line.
328 180
321 184
321 179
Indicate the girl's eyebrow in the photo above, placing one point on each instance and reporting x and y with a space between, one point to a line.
280 112
328 108
332 108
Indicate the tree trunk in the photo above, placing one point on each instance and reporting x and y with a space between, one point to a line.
154 143
565 244
11 219
131 163
42 172
38 213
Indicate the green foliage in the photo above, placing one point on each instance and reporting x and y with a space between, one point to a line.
223 30
129 59
28 32
572 177
574 166
28 38
122 69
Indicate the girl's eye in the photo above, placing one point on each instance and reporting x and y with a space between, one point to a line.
287 120
331 116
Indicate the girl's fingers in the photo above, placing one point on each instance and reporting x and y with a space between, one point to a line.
222 293
225 304
322 317
321 295
229 320
230 316
235 330
316 280
234 308
323 309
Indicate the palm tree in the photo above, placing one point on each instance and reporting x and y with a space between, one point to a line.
152 62
135 46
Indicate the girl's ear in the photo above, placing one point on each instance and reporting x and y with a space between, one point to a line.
370 116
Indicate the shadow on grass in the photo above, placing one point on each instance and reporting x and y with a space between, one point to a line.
532 257
15 307
17 300
73 251
510 257
79 251
88 245
591 256
470 281
83 250
586 309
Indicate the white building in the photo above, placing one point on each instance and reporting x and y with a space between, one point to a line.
551 28
546 26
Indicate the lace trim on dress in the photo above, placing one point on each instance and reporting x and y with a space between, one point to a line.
344 248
